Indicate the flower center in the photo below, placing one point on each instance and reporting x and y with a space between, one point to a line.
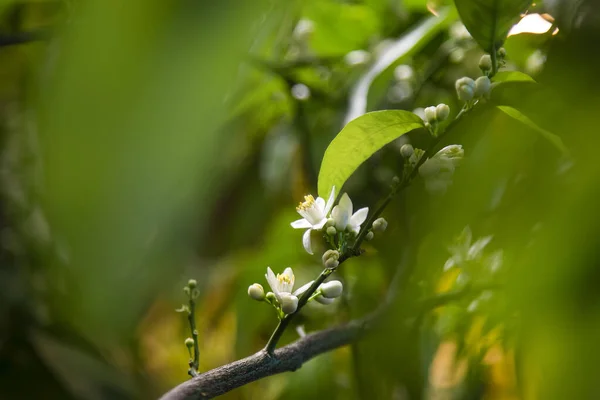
284 279
309 202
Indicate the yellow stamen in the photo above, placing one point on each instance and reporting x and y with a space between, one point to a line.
309 201
284 278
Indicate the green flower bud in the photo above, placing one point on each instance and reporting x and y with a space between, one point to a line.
442 111
271 298
256 292
331 230
380 225
330 222
330 254
289 303
482 86
427 125
430 114
189 343
485 63
406 150
332 289
192 283
501 52
369 236
187 290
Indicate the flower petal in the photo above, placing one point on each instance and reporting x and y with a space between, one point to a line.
301 224
319 225
306 241
329 201
320 204
287 287
302 289
272 280
359 217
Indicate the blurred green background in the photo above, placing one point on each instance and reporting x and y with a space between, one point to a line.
144 143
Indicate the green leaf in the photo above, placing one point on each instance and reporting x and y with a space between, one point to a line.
358 141
555 140
489 21
512 76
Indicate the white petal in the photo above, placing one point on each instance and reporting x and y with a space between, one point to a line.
319 225
302 289
477 247
272 280
324 300
287 287
341 217
301 224
320 204
306 241
345 203
330 201
359 217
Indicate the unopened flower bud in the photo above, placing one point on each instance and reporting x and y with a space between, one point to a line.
256 292
380 225
395 180
465 88
442 111
289 303
189 343
271 298
331 263
406 150
187 290
330 222
370 235
501 52
324 300
330 254
430 114
482 86
485 63
427 125
332 289
192 283
331 230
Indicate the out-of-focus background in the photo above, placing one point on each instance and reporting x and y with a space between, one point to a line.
146 142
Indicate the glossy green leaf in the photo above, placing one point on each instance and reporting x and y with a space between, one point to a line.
358 141
489 21
512 76
555 140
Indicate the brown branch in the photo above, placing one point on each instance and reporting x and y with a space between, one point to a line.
260 365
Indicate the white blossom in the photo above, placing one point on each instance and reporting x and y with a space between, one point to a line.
282 286
344 218
314 216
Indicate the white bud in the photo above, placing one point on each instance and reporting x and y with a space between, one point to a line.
369 236
380 225
482 86
332 289
465 87
430 114
256 292
289 303
323 300
406 150
330 254
442 111
485 63
331 263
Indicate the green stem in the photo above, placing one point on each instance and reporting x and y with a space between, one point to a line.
194 363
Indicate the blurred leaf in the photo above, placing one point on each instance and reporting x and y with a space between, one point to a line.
551 137
489 21
404 47
513 76
358 141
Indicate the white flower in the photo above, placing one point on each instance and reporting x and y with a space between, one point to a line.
464 251
282 286
343 217
314 216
